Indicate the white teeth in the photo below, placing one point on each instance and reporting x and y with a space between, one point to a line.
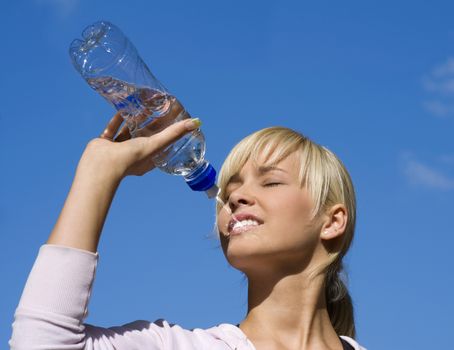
244 223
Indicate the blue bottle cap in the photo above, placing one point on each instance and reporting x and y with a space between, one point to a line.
203 181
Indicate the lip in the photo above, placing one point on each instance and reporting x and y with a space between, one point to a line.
241 217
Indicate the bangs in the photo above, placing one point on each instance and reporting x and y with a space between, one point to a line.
269 146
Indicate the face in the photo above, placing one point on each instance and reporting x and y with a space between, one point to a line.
276 229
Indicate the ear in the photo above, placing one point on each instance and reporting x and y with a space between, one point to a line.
335 222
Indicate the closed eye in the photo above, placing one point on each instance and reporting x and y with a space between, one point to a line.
272 184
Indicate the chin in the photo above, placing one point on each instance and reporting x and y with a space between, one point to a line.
246 258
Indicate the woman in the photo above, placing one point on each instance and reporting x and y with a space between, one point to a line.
288 220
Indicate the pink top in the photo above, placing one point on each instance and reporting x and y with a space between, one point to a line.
54 304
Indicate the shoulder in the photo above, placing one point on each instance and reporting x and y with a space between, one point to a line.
173 336
222 336
353 343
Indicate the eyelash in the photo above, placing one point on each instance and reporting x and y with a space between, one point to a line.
272 184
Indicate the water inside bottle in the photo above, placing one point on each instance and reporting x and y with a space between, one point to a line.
139 105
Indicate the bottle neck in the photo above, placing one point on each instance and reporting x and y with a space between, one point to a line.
197 171
203 178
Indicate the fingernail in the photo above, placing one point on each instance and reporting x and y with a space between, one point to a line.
193 123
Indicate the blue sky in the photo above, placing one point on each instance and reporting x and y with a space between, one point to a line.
373 81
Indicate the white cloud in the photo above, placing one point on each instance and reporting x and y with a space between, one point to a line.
62 8
446 69
421 174
443 87
440 85
439 108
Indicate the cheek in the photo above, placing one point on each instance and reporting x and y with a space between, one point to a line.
222 221
292 216
291 207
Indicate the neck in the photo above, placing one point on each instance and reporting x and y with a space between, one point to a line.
288 310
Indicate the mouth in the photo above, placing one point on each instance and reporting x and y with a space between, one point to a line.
241 223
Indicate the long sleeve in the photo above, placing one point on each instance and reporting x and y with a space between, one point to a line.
54 302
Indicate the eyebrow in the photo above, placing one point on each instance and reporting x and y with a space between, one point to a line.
267 168
262 170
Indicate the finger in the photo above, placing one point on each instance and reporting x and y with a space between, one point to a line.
112 127
171 134
123 134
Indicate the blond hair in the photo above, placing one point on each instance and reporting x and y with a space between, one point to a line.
328 183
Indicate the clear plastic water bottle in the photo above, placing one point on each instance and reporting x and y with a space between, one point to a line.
110 64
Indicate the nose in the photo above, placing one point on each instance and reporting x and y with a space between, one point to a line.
240 197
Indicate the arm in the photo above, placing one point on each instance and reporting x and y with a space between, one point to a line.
84 212
54 302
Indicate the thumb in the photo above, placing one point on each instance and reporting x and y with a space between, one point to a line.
172 133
